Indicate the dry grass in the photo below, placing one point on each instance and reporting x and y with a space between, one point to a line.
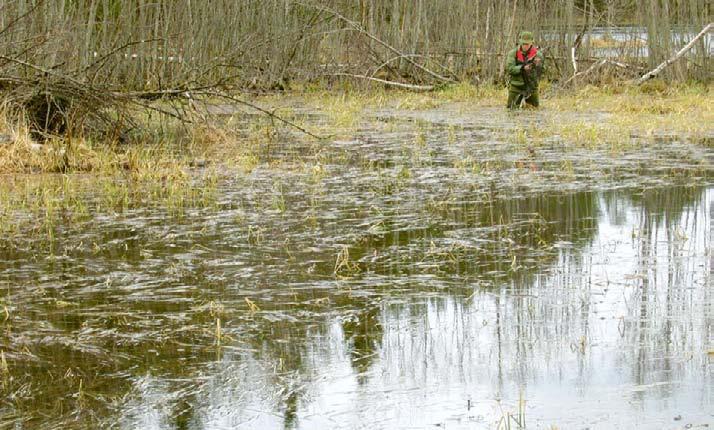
164 172
617 110
652 109
346 109
75 178
621 111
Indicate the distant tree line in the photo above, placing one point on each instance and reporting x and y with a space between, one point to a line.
153 45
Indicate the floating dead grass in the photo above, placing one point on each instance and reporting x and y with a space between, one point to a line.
78 177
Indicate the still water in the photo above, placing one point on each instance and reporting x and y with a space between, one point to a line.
424 276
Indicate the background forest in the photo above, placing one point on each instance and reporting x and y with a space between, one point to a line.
169 44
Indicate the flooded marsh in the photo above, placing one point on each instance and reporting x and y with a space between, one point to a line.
438 266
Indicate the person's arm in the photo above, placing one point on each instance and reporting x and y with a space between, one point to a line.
511 67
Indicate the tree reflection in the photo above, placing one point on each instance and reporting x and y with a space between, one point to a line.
494 292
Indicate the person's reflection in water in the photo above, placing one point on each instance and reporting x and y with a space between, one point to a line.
183 411
364 331
291 411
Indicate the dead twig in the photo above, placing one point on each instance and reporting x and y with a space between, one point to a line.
21 17
398 57
52 93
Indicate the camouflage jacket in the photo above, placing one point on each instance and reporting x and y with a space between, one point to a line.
515 62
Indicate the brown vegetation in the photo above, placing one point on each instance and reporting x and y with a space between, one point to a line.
73 66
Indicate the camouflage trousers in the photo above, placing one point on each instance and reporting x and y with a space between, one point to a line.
515 96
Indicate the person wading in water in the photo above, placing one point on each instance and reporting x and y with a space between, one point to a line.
524 65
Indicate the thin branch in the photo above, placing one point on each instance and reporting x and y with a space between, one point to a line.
21 17
675 57
48 72
588 70
153 95
259 109
386 63
361 30
147 105
595 66
581 36
396 84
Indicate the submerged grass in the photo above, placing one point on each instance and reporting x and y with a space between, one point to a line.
75 178
622 110
653 109
36 205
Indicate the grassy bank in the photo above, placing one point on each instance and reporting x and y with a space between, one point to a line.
178 167
167 149
653 109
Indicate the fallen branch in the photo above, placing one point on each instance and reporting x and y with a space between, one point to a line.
585 72
207 91
44 71
386 63
259 109
396 84
597 66
53 90
649 75
594 67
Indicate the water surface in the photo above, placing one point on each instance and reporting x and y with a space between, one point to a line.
424 271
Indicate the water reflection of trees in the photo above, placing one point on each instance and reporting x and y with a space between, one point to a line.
363 330
284 339
526 227
665 324
480 238
538 315
572 322
546 319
